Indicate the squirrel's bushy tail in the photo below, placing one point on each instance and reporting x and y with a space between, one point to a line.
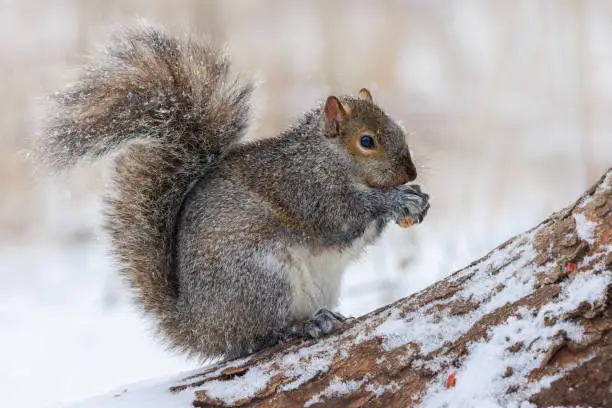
170 108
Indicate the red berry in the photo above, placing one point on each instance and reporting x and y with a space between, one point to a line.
451 380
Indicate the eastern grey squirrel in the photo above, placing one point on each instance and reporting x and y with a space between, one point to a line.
230 246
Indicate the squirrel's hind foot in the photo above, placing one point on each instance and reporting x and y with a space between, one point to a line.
322 323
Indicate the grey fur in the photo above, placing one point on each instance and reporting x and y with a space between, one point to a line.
205 227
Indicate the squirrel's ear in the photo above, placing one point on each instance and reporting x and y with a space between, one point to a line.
334 115
365 95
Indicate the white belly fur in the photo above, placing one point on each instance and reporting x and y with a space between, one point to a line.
316 276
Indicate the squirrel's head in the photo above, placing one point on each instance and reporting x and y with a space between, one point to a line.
376 144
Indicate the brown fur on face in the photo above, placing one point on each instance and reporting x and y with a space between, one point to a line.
388 164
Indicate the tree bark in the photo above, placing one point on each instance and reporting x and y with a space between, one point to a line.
529 323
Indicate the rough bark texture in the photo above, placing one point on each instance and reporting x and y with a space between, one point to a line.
529 324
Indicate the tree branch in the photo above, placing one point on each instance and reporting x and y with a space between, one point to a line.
530 321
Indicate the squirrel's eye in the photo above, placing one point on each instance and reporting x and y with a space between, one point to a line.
367 142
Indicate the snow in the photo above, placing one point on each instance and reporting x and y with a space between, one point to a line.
429 333
580 289
584 228
67 326
336 387
481 381
379 390
319 359
150 394
240 386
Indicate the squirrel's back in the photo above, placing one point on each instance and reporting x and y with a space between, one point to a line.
170 109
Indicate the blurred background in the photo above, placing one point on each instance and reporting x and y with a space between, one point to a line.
507 103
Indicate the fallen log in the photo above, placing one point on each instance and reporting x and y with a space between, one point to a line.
529 324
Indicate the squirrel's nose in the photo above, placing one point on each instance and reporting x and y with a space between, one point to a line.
411 172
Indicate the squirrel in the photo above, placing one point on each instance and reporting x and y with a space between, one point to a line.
230 246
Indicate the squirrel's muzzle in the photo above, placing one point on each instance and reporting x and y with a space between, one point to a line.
411 172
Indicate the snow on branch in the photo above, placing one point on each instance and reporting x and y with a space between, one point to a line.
529 324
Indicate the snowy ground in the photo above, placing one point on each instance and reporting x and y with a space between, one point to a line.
67 332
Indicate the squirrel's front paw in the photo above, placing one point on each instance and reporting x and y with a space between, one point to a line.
414 207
